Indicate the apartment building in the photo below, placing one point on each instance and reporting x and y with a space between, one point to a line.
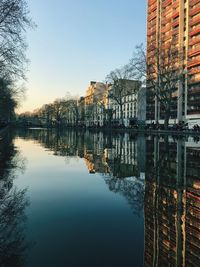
177 21
127 102
101 105
95 103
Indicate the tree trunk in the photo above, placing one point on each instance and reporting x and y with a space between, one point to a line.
121 115
167 116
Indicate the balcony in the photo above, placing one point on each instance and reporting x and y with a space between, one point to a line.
193 112
166 20
194 80
193 63
167 13
175 31
151 39
151 47
194 21
194 71
166 29
166 3
194 2
194 52
194 41
175 22
152 8
175 14
175 4
167 38
151 31
194 90
194 11
151 2
152 16
194 32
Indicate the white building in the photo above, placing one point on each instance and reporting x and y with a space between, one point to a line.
131 101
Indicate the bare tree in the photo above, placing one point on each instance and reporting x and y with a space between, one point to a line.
59 109
14 20
162 73
48 113
10 96
122 87
72 103
90 112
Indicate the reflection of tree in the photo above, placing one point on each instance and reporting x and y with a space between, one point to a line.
114 156
124 177
12 236
131 188
12 206
10 158
61 143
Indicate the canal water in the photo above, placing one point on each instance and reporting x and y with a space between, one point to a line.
86 199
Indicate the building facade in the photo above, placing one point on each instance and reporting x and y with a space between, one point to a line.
177 21
101 105
95 104
132 100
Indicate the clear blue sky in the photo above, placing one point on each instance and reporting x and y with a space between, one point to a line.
77 41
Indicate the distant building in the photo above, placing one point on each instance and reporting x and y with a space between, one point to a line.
133 100
99 106
95 102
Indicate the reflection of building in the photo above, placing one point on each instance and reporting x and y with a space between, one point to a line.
172 204
192 205
177 22
96 163
126 157
116 159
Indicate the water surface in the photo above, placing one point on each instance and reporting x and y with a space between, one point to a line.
93 199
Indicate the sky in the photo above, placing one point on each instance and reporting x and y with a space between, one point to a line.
78 41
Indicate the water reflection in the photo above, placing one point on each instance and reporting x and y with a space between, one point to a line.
13 202
172 202
120 159
158 176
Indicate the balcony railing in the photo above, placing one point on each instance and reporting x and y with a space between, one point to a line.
166 3
194 41
152 7
194 32
176 14
152 16
194 11
194 71
175 22
193 62
194 52
175 4
194 2
194 21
